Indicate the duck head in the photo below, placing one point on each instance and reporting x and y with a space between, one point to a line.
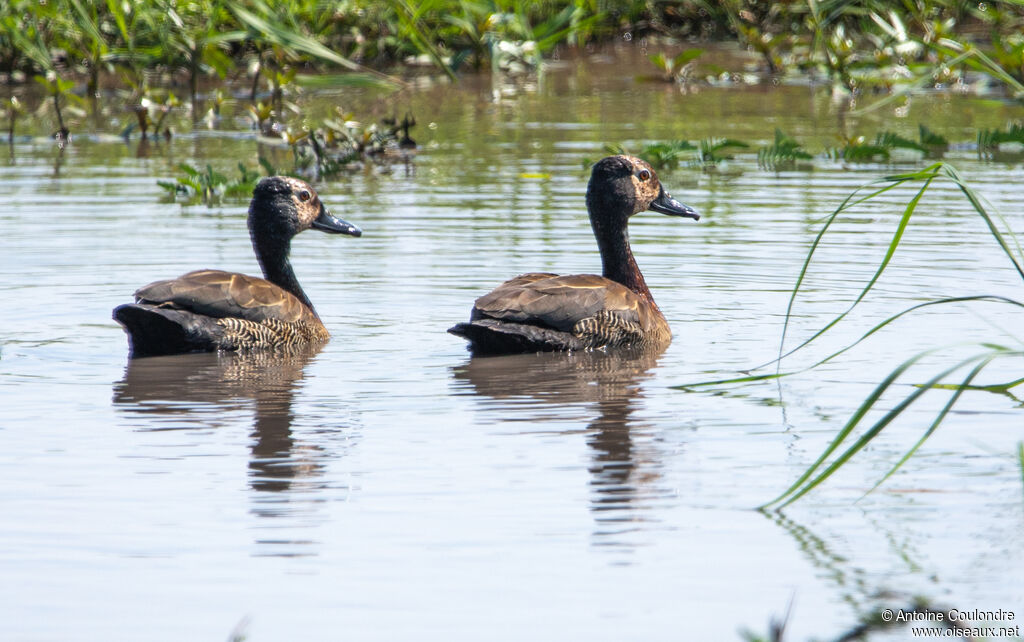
621 186
283 206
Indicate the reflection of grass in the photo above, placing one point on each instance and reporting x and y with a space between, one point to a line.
969 368
782 154
1020 458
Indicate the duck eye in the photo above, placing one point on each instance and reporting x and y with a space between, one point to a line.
644 175
304 195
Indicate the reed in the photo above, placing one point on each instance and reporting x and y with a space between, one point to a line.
969 368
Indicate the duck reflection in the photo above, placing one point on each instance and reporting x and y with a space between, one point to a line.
623 473
190 390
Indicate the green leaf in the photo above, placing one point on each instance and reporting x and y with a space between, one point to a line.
686 57
276 34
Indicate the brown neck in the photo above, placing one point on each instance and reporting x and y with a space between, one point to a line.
272 253
617 262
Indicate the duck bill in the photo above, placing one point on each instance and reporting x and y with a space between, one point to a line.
327 222
668 205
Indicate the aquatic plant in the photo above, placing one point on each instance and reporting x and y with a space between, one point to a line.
783 153
855 44
210 187
970 367
1020 459
198 41
856 150
663 156
666 155
13 108
934 144
89 40
763 33
989 140
60 90
144 115
712 151
673 69
279 30
327 149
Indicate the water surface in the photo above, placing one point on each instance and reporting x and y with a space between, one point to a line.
388 486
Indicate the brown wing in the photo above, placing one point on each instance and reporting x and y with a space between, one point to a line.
560 302
226 294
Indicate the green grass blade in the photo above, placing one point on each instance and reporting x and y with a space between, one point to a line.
735 380
410 19
928 175
975 201
281 36
748 378
1020 458
804 485
865 406
959 299
964 385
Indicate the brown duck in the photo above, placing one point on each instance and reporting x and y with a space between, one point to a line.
546 312
210 310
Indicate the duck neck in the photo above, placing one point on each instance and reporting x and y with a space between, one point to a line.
272 253
617 262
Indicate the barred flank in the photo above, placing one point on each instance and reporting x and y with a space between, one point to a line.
241 334
608 329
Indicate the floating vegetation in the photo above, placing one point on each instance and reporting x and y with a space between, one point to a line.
989 140
855 150
79 48
665 155
782 154
890 140
675 69
334 147
211 187
712 151
661 155
880 149
786 152
969 368
934 144
346 145
144 114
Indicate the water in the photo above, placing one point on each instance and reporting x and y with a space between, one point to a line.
389 487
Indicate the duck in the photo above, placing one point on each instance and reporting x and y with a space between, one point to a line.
214 310
545 312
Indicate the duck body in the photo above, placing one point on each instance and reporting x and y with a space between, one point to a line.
541 312
209 310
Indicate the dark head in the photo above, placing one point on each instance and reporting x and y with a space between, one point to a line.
283 206
621 186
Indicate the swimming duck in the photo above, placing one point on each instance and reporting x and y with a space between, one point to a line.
540 312
210 310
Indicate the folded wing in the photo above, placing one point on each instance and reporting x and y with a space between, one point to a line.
221 294
562 302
